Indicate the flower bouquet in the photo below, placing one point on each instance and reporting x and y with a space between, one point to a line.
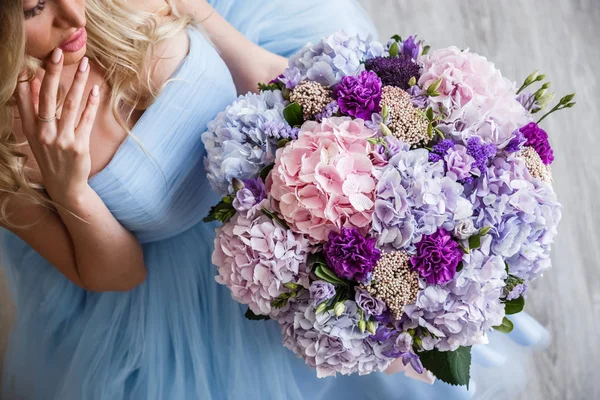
387 205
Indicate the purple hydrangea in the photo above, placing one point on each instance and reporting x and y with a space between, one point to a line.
458 163
419 97
291 77
437 257
403 348
359 96
321 291
369 304
516 143
538 139
351 255
251 194
394 71
517 291
481 152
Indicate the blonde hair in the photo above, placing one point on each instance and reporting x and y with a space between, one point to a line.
120 40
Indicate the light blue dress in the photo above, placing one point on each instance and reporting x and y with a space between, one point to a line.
179 335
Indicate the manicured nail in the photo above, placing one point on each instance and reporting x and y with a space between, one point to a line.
56 55
83 65
95 91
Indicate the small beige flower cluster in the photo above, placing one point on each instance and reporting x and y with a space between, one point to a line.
312 96
407 123
534 164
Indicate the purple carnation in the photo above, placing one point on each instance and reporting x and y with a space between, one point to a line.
351 255
395 71
538 139
481 152
369 304
359 96
321 291
437 257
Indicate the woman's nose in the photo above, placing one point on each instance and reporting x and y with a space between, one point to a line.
70 14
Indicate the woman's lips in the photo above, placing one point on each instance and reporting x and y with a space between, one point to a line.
75 42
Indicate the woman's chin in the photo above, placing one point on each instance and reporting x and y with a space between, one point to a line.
74 57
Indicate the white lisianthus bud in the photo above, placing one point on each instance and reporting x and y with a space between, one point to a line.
465 229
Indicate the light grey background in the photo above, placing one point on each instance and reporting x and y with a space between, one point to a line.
562 38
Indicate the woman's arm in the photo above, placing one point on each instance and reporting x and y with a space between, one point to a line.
249 63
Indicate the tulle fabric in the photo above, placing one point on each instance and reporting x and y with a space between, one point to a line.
180 335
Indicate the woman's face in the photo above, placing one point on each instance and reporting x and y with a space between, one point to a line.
55 23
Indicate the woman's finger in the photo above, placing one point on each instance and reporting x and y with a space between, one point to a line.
89 116
26 107
49 90
70 110
36 86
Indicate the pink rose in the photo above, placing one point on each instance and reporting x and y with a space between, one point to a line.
324 180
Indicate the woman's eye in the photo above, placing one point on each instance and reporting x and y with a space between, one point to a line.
32 12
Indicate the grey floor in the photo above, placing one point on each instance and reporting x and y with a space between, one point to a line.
560 37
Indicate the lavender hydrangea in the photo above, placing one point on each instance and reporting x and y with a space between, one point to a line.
415 198
332 58
239 142
332 344
461 311
523 212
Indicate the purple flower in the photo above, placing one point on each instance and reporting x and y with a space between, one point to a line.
437 257
434 157
528 102
359 96
291 77
321 291
419 98
516 143
280 130
481 152
330 110
442 147
385 318
538 139
411 49
251 194
395 71
402 348
518 291
351 255
369 304
458 163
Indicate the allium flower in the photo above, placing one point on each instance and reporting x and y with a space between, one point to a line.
350 255
332 344
415 198
369 304
437 257
334 57
475 99
461 311
324 180
256 257
458 163
321 291
394 71
538 139
251 194
237 142
359 96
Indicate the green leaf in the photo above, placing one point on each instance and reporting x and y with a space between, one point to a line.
452 367
514 306
484 231
269 86
293 114
397 38
275 218
222 212
475 242
429 114
505 327
315 258
426 50
265 171
394 49
327 275
506 268
460 266
282 142
254 317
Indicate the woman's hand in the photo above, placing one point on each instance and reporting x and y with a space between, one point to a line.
61 147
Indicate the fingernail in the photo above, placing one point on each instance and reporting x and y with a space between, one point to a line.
95 91
83 65
56 55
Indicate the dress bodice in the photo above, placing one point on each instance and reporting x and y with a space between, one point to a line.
158 188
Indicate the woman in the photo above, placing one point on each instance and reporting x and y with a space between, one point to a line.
107 258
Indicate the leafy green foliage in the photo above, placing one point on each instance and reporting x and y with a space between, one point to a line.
222 212
505 327
293 114
452 367
269 86
255 317
265 171
514 306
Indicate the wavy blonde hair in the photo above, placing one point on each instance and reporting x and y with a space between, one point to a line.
120 39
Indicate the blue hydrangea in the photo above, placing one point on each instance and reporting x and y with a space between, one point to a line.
242 140
415 198
523 212
332 58
460 312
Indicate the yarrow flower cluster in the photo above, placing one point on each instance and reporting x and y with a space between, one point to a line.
380 203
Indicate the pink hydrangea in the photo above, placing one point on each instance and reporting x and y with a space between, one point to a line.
324 180
256 256
475 98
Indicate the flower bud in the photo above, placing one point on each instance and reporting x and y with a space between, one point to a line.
321 307
412 82
385 111
362 325
567 98
339 309
290 285
237 184
385 130
394 50
545 99
371 327
434 86
531 78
